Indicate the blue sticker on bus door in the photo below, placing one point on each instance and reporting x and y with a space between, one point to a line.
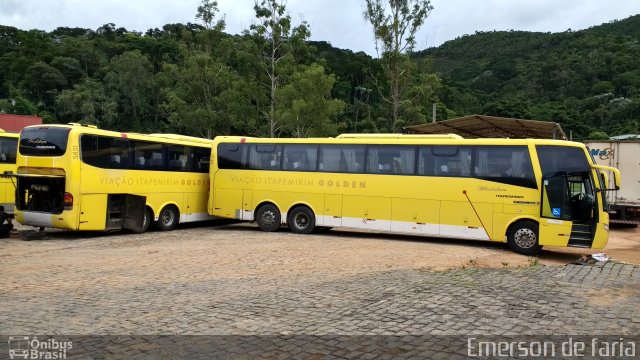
555 212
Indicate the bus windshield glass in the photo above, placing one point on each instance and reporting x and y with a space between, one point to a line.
567 159
44 141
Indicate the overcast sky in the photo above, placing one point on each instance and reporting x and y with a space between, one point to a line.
339 22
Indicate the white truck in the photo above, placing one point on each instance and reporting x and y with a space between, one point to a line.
625 156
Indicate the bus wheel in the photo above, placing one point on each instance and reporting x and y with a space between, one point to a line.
268 218
301 220
148 217
523 238
168 218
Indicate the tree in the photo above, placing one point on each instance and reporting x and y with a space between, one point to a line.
87 102
208 97
130 81
277 41
207 14
394 31
305 104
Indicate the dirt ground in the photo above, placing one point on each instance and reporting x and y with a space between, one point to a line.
240 250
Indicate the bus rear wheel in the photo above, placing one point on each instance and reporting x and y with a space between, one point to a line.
168 218
523 238
301 220
268 218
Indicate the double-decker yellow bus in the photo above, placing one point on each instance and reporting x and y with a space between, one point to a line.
8 149
79 177
528 193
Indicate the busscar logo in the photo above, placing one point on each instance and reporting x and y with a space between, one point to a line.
24 347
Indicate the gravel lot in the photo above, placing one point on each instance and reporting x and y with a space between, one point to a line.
231 279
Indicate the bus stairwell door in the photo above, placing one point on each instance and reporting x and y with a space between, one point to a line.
555 219
134 207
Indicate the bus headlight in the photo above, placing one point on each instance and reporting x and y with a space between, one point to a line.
606 227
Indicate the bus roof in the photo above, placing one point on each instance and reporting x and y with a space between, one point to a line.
399 136
8 134
183 138
394 139
94 130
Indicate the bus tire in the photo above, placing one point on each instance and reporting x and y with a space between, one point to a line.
301 220
268 217
168 218
146 222
523 238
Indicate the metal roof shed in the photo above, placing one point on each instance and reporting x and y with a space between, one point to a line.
15 123
483 126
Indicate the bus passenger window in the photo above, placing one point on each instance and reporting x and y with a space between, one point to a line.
391 160
114 161
300 157
342 158
264 157
139 160
202 159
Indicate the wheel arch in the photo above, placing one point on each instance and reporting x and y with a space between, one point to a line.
297 204
514 221
263 203
150 208
162 206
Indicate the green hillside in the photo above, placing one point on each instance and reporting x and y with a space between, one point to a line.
189 79
588 80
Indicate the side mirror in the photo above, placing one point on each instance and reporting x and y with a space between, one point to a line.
604 180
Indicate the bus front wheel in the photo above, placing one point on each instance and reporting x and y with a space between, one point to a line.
268 217
523 238
301 220
168 218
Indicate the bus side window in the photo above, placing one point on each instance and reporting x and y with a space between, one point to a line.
230 156
9 148
391 160
426 161
201 159
139 160
265 157
177 157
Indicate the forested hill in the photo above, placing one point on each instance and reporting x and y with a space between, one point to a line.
201 81
588 80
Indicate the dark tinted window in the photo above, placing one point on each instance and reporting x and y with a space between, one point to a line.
229 156
264 156
445 161
505 164
562 158
300 157
391 160
178 158
105 152
148 156
201 159
44 141
341 158
120 153
8 148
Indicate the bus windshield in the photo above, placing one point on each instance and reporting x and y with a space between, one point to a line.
44 141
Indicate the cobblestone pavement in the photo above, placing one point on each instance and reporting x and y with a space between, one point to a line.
536 300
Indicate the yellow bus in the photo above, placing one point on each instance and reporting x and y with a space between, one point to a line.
79 177
528 193
8 148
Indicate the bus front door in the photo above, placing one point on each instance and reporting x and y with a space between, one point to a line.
568 210
555 213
